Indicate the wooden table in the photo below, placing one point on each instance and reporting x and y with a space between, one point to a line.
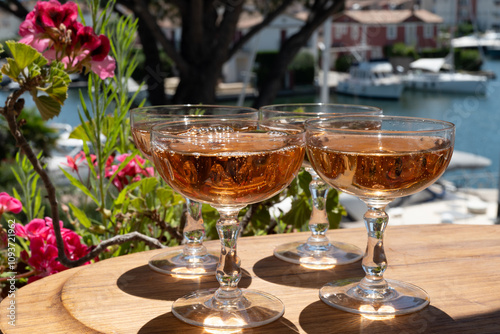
458 265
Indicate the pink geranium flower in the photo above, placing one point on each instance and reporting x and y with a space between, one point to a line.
133 171
53 29
74 162
9 204
43 248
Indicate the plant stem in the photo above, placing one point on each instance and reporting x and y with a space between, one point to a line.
13 107
24 275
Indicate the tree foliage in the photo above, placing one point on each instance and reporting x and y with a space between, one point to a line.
208 40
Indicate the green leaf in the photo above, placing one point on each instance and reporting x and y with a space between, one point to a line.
299 214
137 203
80 215
47 106
57 82
11 69
261 217
38 204
24 54
334 210
148 185
165 195
304 179
74 181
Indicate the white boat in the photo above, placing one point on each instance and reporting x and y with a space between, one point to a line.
436 74
372 79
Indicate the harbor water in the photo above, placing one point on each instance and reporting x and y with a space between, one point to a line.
477 119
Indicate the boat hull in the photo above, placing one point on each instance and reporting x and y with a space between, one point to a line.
447 83
391 91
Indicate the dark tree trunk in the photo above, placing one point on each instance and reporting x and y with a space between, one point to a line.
196 86
155 78
206 38
320 11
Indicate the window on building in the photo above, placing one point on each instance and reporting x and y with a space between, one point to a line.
428 30
354 32
411 34
377 52
392 32
339 30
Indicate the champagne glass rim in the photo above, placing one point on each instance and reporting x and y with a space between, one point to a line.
152 109
322 124
162 129
275 108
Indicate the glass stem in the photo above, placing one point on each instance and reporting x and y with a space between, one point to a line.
194 230
374 261
228 272
318 223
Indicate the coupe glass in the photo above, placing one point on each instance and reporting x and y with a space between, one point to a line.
228 164
318 252
378 159
193 259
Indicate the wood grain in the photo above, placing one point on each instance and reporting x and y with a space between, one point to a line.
458 265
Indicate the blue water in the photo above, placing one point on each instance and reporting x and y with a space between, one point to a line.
477 118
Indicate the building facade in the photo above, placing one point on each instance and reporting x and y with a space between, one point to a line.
377 29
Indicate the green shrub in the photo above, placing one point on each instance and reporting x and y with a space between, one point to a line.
263 63
42 137
434 53
468 60
401 50
303 68
344 62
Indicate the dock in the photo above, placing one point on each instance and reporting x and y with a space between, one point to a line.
224 91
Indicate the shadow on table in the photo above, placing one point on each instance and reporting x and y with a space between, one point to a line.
168 323
144 282
276 271
321 318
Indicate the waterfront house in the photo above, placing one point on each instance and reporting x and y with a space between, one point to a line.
380 28
269 38
485 14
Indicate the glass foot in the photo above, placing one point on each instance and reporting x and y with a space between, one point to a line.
336 253
177 263
396 299
252 309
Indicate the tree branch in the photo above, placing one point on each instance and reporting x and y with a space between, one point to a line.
10 112
14 7
258 27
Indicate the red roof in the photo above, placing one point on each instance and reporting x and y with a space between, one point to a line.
388 16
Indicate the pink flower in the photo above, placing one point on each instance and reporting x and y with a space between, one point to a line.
9 204
35 228
49 23
43 259
53 29
74 162
133 171
43 248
